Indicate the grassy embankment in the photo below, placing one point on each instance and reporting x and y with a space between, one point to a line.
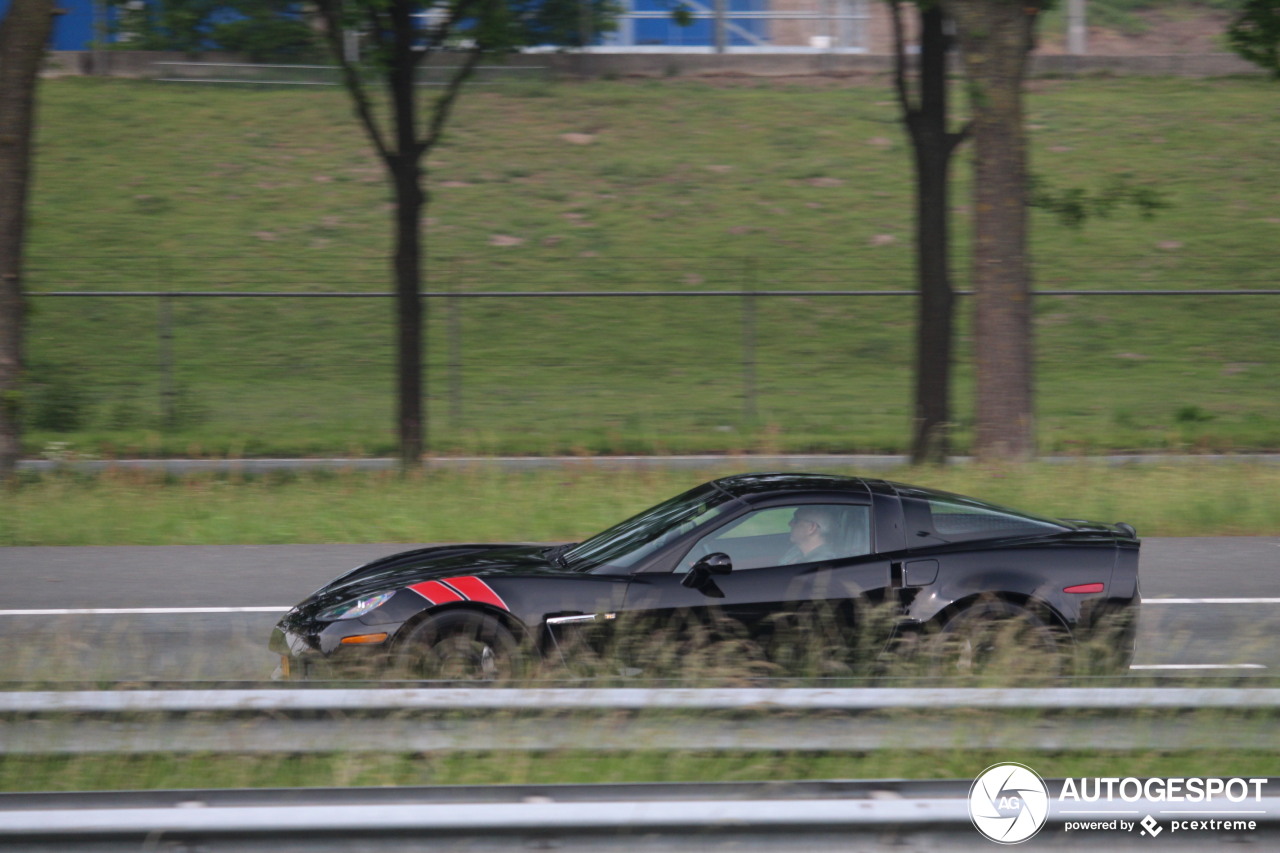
624 185
130 508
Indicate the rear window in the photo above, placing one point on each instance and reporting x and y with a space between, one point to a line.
934 518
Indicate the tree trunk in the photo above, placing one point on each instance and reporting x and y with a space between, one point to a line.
407 179
24 33
933 144
996 37
409 314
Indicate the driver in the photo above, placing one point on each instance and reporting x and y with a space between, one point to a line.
810 528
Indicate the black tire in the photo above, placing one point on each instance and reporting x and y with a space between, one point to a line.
998 638
460 645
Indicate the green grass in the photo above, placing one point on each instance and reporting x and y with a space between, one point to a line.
74 773
687 186
130 508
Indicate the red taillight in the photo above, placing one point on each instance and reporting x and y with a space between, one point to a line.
1085 588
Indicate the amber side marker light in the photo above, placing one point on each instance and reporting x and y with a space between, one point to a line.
364 639
1079 589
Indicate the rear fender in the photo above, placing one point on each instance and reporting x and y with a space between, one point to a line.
1041 608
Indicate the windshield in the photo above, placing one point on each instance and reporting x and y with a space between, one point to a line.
625 544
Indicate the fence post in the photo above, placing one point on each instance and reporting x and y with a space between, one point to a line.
455 357
749 410
1077 28
168 413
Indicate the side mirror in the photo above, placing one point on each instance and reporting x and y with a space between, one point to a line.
701 574
716 564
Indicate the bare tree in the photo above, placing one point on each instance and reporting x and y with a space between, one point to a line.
404 126
24 32
925 116
995 37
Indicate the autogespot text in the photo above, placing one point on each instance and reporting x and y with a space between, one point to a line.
1192 800
1130 790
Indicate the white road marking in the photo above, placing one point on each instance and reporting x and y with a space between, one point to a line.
1197 666
141 611
1147 601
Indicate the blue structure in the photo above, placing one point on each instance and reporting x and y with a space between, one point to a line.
652 24
76 28
644 23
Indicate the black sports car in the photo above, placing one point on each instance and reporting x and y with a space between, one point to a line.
754 551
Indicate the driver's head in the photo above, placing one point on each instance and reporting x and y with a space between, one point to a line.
810 522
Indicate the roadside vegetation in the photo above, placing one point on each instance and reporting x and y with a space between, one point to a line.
119 772
569 503
626 185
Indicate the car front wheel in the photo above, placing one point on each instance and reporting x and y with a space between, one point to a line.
460 645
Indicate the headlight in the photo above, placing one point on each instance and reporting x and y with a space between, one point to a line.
355 609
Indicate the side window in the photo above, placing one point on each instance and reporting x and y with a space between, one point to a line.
788 535
933 518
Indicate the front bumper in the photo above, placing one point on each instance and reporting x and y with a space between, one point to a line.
324 654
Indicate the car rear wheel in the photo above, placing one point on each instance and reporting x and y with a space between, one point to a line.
460 645
997 638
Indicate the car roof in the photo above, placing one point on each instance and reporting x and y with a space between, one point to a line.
779 484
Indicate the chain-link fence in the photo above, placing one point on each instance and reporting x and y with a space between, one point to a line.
725 361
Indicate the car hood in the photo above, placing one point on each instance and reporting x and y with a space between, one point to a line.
409 567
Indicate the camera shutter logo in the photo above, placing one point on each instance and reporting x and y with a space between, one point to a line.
1008 803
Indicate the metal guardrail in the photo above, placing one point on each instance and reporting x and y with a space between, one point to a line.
382 720
603 294
823 815
639 699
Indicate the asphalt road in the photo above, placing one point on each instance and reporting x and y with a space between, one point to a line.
1211 605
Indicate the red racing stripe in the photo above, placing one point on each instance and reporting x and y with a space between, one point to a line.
477 590
436 592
